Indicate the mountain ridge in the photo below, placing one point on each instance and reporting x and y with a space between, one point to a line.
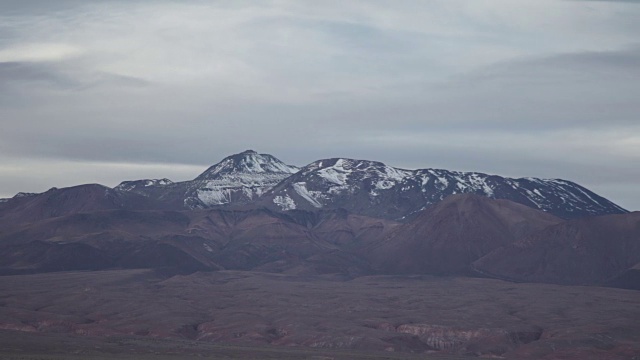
364 187
375 189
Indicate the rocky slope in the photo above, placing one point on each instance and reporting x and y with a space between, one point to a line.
25 208
583 251
187 241
447 237
464 234
629 279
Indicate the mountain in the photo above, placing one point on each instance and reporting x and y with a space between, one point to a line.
363 187
59 202
256 252
142 186
369 188
375 189
237 179
191 240
240 178
592 250
447 237
247 167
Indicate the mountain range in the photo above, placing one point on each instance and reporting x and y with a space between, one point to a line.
342 254
354 217
364 187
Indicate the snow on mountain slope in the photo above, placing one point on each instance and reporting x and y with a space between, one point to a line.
363 187
138 184
237 179
230 188
375 189
246 165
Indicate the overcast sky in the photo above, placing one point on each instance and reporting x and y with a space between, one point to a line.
105 91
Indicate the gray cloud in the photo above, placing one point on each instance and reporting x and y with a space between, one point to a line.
577 90
636 2
39 76
157 86
29 73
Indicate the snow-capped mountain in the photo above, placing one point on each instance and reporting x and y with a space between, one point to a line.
246 167
237 179
363 187
375 189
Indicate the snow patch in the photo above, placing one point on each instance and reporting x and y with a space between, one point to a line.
337 174
397 175
384 184
310 196
534 198
390 177
479 184
589 197
441 183
158 182
214 196
244 187
285 202
248 162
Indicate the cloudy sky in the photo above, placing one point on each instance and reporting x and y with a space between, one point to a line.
103 91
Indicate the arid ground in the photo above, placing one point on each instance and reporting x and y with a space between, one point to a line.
235 314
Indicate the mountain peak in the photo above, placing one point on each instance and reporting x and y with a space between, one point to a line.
248 152
247 162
